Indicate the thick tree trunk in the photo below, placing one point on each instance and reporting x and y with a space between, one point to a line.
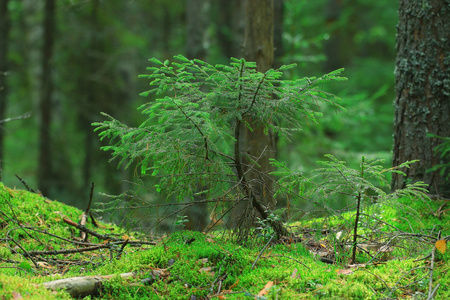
45 104
4 36
255 145
259 47
197 12
258 41
422 102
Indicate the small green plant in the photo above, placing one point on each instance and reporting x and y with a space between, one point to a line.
362 186
263 226
181 221
444 151
191 137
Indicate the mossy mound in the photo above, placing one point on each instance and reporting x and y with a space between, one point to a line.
193 265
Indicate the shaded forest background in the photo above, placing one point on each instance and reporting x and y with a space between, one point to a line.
100 47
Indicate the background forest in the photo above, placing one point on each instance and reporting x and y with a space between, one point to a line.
235 113
100 48
68 61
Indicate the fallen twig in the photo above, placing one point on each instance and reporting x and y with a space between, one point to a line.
27 254
296 260
121 249
102 236
264 248
84 216
87 230
432 291
25 184
68 251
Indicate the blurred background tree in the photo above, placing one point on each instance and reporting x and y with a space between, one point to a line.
100 48
4 40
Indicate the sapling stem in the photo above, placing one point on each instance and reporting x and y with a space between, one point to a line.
358 205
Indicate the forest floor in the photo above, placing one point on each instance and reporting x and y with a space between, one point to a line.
401 255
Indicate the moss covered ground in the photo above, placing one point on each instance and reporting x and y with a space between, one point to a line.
193 265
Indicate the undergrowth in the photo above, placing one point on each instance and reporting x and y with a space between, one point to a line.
190 264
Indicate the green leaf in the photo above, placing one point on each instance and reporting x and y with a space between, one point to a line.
27 267
155 60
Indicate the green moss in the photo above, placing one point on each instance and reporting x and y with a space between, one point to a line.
191 262
25 286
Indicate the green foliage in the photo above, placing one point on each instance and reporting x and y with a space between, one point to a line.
336 178
181 220
361 187
190 137
359 36
444 151
263 227
192 263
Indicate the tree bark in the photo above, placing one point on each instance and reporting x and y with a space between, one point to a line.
197 21
258 41
255 145
4 39
45 103
422 103
259 47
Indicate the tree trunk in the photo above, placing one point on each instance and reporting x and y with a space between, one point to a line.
4 36
255 145
45 104
422 103
89 106
230 26
258 47
332 49
278 17
258 41
197 12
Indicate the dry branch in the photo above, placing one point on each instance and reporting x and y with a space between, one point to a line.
67 251
87 230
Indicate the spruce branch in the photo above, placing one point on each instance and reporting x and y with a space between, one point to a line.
255 94
197 127
216 101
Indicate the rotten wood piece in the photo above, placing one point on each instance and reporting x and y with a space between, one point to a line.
83 286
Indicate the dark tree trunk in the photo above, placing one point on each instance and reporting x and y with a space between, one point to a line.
422 103
45 103
259 47
257 146
333 45
258 40
197 12
4 36
89 107
231 26
278 17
